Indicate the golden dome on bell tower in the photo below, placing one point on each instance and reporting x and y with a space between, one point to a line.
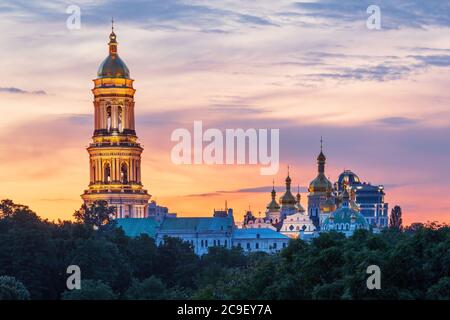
113 66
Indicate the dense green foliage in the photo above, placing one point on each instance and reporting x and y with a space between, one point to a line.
11 289
415 264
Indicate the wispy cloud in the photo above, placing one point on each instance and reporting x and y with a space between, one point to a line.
262 189
396 121
395 14
21 91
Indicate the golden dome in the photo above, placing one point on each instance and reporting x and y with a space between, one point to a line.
273 205
299 197
288 198
320 184
113 66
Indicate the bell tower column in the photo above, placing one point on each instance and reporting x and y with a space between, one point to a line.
115 152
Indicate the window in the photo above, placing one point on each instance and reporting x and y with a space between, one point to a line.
138 176
124 173
108 118
107 173
119 118
93 173
226 243
202 243
248 245
284 244
257 245
274 245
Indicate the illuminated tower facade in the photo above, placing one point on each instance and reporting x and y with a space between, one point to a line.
115 154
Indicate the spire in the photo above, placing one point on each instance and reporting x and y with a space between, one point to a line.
321 158
274 193
288 181
112 40
226 206
298 194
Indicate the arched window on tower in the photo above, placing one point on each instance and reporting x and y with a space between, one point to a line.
108 118
124 173
93 172
107 173
119 117
138 174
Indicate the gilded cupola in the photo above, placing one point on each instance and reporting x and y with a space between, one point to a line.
273 205
288 198
113 66
320 184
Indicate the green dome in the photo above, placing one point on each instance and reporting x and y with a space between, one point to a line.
343 216
113 67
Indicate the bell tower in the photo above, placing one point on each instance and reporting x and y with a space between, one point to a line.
115 153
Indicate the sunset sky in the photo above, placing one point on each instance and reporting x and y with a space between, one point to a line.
379 98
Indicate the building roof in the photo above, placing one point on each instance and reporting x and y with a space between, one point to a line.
344 215
258 233
134 227
197 224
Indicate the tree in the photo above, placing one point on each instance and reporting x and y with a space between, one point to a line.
90 290
149 289
176 263
395 221
28 253
100 259
96 215
141 254
12 289
440 291
8 208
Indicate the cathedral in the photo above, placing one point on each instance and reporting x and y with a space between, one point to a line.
115 177
344 206
115 153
